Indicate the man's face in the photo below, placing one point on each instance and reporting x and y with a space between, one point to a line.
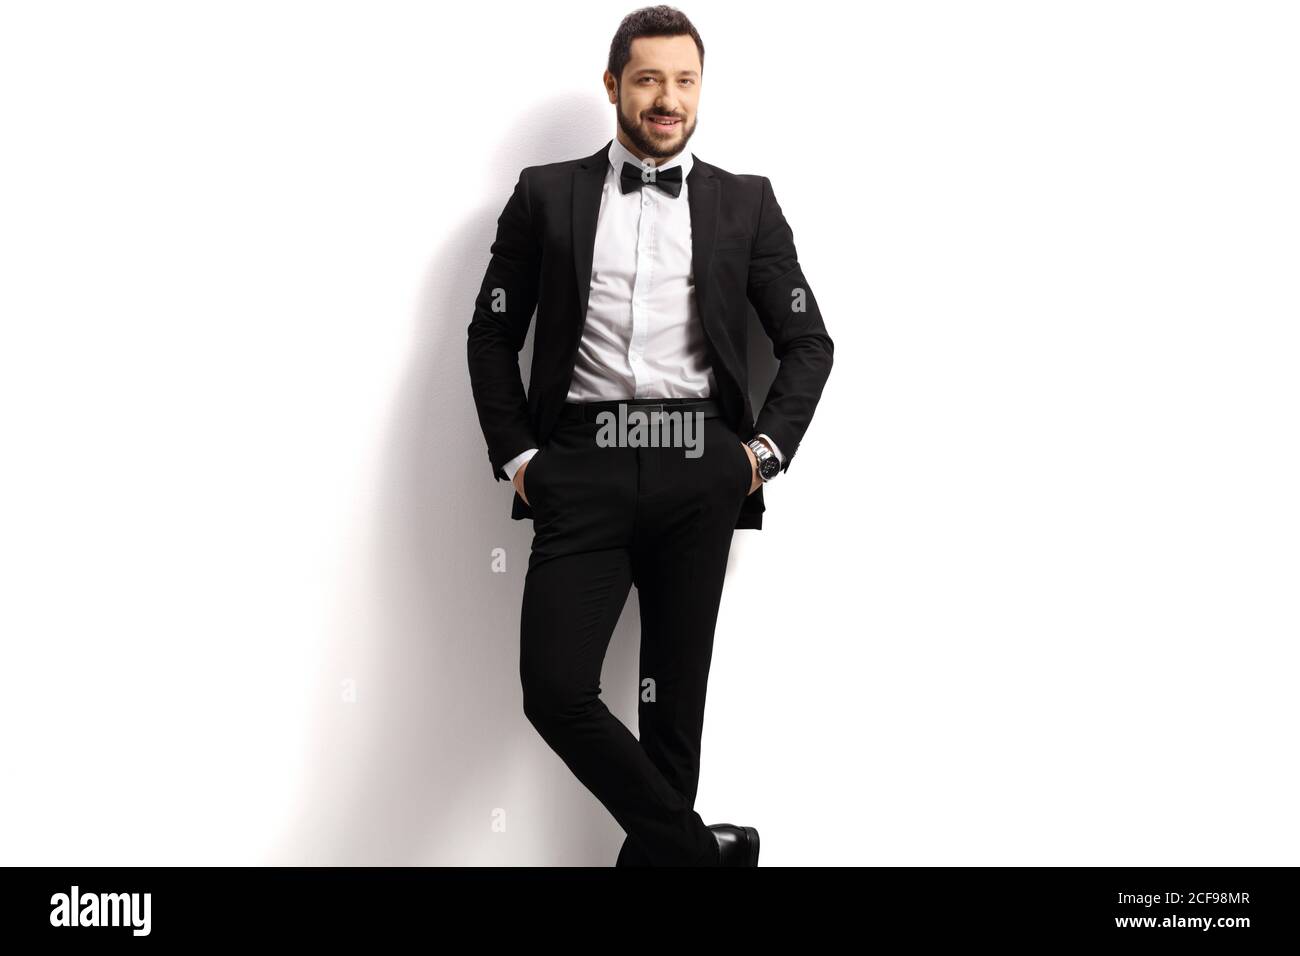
658 96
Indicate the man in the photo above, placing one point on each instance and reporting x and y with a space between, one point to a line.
643 262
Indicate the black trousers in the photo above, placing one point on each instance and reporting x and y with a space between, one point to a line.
607 519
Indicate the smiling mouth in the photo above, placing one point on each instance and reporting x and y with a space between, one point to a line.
664 122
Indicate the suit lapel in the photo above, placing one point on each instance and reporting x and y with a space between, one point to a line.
706 198
703 196
588 181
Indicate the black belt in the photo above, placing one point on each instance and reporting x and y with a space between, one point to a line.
587 411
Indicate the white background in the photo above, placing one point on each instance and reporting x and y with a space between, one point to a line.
1028 595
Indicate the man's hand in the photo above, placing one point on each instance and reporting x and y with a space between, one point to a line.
755 481
518 481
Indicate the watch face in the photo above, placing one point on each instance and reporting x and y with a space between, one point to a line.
769 468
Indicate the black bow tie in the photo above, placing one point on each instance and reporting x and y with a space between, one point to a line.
670 180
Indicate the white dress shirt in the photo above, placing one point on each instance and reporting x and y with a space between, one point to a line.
642 337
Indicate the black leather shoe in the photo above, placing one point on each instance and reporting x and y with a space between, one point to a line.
738 846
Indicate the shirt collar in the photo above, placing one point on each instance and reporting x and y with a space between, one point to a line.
620 154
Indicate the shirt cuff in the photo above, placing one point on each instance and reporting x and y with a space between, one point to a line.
513 464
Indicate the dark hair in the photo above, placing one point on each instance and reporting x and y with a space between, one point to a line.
660 21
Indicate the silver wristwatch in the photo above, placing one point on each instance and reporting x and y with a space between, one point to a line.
768 466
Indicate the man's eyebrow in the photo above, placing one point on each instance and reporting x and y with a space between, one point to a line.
650 69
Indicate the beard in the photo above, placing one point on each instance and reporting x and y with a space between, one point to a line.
653 146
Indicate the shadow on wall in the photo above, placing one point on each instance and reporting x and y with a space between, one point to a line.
420 754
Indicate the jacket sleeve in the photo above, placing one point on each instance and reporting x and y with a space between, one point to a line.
503 311
785 305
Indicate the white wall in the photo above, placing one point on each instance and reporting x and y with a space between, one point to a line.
1031 586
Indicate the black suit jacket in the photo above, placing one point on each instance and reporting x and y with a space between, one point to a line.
743 259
